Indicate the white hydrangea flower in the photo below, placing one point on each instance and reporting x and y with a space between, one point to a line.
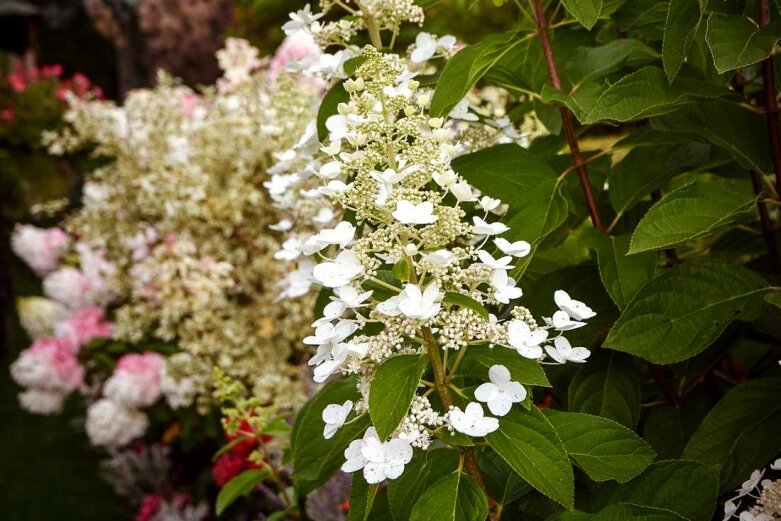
574 308
472 421
495 264
334 416
563 352
379 460
481 227
409 213
339 272
505 287
516 249
301 20
524 340
501 392
420 305
561 321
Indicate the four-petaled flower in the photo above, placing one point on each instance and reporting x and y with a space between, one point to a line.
471 421
562 351
574 308
379 460
501 392
338 272
505 287
516 249
481 227
527 342
409 213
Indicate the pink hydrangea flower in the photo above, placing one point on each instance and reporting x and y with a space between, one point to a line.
136 380
39 248
49 364
294 48
84 325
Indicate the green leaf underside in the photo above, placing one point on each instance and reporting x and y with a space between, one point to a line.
691 211
584 11
740 433
529 444
683 20
393 387
736 41
681 312
604 449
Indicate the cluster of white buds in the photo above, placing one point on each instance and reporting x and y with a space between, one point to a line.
757 499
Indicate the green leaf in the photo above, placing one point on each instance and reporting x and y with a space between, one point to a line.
736 41
683 20
685 488
466 302
393 387
649 167
584 11
528 184
455 497
401 270
669 428
623 275
503 484
240 485
328 107
478 359
740 433
594 63
681 312
468 65
691 211
425 468
361 498
314 457
529 444
604 449
741 132
619 512
608 386
647 93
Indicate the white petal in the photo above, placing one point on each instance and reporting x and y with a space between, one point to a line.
499 375
486 392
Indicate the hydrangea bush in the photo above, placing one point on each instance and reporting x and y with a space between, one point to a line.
545 289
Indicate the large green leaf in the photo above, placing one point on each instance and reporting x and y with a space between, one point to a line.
619 512
584 11
503 484
647 93
529 443
455 497
623 275
393 387
740 434
726 125
681 312
604 449
478 359
240 485
683 20
736 41
649 167
469 65
425 468
594 63
686 488
668 428
608 386
691 211
522 180
361 498
314 457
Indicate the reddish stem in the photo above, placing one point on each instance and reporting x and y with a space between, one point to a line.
566 117
661 379
771 104
767 226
